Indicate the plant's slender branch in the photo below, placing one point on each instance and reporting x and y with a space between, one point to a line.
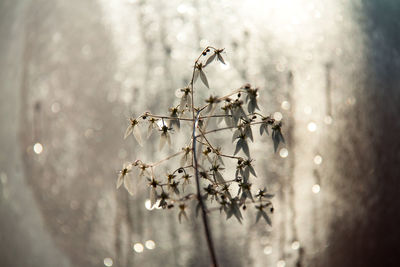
184 198
230 156
165 159
256 113
208 142
219 153
196 167
182 168
215 116
168 117
199 141
267 202
223 97
200 199
191 84
230 94
186 119
228 128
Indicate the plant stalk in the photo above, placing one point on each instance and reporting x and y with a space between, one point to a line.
200 199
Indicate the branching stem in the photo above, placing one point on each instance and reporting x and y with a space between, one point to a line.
228 128
199 197
165 159
196 170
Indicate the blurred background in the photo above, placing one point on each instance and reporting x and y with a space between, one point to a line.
73 72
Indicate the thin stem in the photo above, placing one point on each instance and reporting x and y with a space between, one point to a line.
165 159
230 156
215 116
222 98
214 149
200 199
168 117
228 128
263 202
186 119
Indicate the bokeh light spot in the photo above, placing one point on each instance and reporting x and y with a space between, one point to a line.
295 245
38 148
328 120
150 244
267 250
281 263
318 159
179 93
138 247
283 152
108 262
316 188
285 105
278 116
55 107
148 205
312 126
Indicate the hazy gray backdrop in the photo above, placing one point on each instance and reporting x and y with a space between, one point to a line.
72 72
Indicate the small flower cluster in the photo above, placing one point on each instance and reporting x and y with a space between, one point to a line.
201 160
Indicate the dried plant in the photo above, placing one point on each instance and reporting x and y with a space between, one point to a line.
202 160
